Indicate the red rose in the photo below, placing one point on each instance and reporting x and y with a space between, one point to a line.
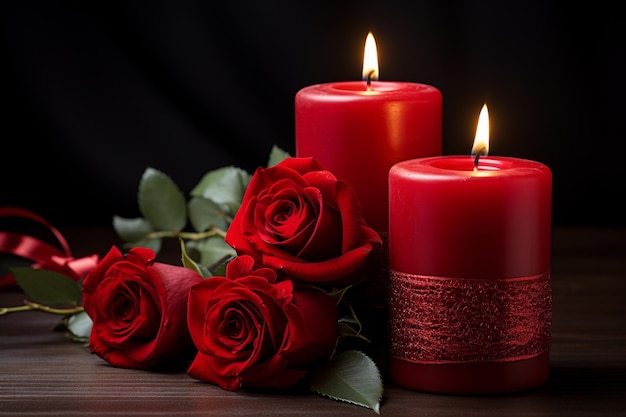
251 331
138 308
298 218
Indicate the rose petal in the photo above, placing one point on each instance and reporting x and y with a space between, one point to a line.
138 308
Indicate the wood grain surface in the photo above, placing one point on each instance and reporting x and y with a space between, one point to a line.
42 373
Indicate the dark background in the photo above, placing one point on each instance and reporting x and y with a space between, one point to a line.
96 91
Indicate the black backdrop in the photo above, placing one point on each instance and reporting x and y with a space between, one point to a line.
96 91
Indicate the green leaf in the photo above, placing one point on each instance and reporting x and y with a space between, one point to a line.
223 186
134 231
276 156
219 269
161 202
131 230
337 294
350 325
187 261
347 330
47 287
79 326
211 251
204 213
352 377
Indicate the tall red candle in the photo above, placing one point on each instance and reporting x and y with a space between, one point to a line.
469 260
358 132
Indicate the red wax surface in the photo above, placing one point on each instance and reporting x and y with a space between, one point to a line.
358 134
449 220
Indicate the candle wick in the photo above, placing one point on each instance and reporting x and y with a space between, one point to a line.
476 157
368 79
480 151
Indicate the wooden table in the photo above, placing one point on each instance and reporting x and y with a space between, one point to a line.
42 373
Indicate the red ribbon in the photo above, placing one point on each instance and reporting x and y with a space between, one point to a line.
42 254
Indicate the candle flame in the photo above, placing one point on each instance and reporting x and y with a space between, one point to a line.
370 59
481 141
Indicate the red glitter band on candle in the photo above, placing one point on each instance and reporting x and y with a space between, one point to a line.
437 320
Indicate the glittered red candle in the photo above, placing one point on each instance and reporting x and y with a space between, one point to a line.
470 293
359 129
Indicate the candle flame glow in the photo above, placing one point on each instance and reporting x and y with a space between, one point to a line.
370 59
481 141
